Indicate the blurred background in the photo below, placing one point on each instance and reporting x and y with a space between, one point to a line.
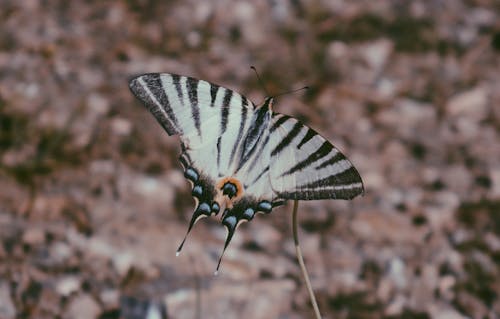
93 202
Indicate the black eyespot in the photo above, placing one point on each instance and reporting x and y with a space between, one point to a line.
191 174
229 189
265 207
215 208
197 191
204 209
230 222
248 214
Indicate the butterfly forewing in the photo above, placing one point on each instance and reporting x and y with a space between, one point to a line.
196 109
305 166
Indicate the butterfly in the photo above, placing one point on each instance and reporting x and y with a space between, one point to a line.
242 159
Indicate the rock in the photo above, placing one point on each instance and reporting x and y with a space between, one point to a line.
471 304
60 252
110 298
444 312
82 306
385 290
123 261
376 227
34 236
132 307
98 103
263 299
409 117
492 241
422 290
337 50
376 53
265 235
7 308
397 272
495 182
121 126
472 104
396 306
48 305
458 178
445 286
68 285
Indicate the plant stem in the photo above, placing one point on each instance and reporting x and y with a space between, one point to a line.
301 260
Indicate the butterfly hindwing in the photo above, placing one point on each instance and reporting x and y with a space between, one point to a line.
305 166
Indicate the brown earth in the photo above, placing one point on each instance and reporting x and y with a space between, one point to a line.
93 202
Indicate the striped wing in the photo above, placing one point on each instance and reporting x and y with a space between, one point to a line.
197 110
305 166
222 156
241 160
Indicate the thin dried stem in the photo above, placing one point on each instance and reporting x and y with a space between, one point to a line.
301 260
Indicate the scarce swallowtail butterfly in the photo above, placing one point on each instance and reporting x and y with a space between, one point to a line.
240 158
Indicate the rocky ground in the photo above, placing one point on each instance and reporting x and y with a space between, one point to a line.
93 202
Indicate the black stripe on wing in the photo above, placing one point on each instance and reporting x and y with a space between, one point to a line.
148 88
259 123
334 159
258 176
192 89
288 138
225 110
176 79
279 122
340 192
345 178
261 147
243 120
214 88
218 153
321 152
309 135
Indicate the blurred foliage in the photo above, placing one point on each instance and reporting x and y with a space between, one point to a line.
409 34
355 305
52 146
481 215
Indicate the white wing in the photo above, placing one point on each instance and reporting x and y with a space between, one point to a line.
305 166
246 159
220 132
197 110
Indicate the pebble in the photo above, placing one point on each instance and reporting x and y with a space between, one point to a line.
7 307
68 285
377 53
472 104
98 104
121 126
34 236
82 306
397 272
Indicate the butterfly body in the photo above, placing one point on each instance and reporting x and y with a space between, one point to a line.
242 159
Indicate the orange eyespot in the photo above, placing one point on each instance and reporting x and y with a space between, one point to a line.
231 187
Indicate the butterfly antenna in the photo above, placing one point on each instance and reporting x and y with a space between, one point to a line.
260 80
292 91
